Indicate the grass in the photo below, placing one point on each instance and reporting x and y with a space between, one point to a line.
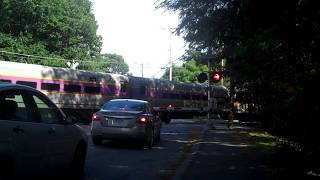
261 139
284 159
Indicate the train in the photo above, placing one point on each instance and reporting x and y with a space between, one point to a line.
80 93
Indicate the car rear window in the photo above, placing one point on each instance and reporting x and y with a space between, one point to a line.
124 106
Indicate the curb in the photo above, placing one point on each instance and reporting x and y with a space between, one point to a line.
185 164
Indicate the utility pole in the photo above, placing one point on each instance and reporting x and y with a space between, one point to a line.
170 59
222 69
141 69
171 31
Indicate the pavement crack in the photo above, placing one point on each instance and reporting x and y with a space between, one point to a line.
185 152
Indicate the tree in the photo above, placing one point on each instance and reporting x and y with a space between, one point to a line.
116 64
63 28
271 49
187 72
110 63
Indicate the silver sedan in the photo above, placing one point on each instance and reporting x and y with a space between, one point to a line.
36 138
126 119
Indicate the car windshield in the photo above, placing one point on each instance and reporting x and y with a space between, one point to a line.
124 106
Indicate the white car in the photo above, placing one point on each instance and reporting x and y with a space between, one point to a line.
36 138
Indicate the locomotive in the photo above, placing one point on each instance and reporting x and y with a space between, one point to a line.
79 93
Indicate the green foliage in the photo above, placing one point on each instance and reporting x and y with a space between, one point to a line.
187 72
272 51
21 44
59 28
110 63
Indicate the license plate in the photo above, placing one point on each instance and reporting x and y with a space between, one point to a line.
115 122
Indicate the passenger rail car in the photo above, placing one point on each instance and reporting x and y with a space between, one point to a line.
80 93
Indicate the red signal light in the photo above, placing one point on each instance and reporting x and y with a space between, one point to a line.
216 76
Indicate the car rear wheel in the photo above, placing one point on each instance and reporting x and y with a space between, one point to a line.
150 139
158 137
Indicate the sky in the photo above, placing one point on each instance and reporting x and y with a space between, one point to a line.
140 33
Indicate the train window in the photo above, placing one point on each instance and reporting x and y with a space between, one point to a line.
142 90
72 88
50 86
5 80
92 89
28 83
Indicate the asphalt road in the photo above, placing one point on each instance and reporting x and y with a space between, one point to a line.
130 160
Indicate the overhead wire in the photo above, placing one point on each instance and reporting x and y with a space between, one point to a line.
166 66
41 58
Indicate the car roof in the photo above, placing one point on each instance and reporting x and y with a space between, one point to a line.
131 100
5 85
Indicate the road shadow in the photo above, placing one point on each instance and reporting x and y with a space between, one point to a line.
122 144
224 153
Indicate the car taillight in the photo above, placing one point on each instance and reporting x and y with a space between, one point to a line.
95 117
143 120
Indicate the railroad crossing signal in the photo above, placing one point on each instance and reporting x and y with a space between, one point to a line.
216 76
202 77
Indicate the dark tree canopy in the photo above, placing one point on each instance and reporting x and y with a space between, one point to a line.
272 51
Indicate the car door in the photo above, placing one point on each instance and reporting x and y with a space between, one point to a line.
60 136
25 136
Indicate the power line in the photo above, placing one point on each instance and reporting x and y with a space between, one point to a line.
166 66
31 56
42 58
56 59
